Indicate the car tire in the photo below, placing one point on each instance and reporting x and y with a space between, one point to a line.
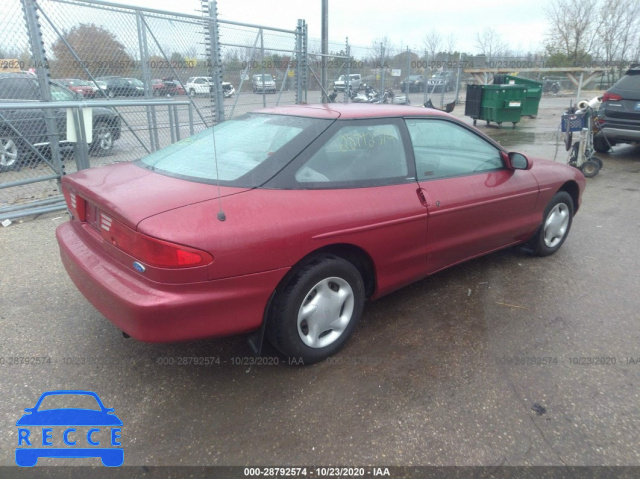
192 92
111 94
555 88
556 223
11 152
103 139
329 286
600 144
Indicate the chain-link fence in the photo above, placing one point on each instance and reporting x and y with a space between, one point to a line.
204 69
145 78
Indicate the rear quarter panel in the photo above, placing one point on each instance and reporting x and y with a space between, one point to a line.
270 229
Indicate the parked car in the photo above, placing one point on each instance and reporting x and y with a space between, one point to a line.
320 207
21 128
167 87
103 88
263 83
83 87
227 89
199 85
619 114
204 85
415 82
341 83
156 85
117 86
441 81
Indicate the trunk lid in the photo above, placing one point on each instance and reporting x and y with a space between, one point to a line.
131 193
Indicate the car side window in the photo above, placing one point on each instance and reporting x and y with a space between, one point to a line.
444 149
357 155
59 93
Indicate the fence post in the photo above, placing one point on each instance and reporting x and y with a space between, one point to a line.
41 64
426 77
382 70
146 79
299 62
305 58
408 84
347 90
458 78
264 90
215 58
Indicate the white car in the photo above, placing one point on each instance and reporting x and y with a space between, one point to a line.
341 83
199 85
204 86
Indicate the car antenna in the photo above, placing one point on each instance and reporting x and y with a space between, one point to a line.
209 9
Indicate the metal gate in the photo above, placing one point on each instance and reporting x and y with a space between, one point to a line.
159 75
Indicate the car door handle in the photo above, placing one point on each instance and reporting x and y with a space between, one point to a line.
423 197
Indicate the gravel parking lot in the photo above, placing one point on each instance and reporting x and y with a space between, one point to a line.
504 360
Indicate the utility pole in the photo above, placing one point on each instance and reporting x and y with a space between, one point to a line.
325 48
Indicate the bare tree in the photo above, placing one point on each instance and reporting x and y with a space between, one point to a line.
452 43
489 43
619 31
572 28
380 49
432 43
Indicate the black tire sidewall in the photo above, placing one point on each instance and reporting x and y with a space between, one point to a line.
282 329
560 197
600 145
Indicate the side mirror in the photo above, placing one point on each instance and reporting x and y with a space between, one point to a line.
517 161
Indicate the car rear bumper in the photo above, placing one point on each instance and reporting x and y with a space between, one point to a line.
620 134
158 312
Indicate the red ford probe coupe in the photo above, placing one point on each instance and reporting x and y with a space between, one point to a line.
310 211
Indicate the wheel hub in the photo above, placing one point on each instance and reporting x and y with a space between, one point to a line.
555 227
325 312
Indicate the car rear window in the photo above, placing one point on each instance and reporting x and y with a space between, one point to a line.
250 150
630 81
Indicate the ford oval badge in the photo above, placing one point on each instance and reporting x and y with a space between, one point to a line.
139 267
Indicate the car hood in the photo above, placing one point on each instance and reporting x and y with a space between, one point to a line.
131 193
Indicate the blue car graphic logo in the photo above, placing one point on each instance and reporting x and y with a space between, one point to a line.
65 431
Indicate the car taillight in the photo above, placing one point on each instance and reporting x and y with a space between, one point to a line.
611 97
148 250
76 204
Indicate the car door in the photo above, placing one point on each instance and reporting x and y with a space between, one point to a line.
25 125
357 182
476 204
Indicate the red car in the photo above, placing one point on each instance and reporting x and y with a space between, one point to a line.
166 87
307 212
82 87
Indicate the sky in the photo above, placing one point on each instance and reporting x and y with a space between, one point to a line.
520 22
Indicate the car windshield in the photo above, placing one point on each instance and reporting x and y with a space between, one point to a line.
66 401
250 150
266 77
136 82
412 78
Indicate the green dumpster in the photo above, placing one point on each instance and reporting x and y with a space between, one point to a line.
502 103
534 92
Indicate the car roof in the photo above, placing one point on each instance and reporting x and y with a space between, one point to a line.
352 111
